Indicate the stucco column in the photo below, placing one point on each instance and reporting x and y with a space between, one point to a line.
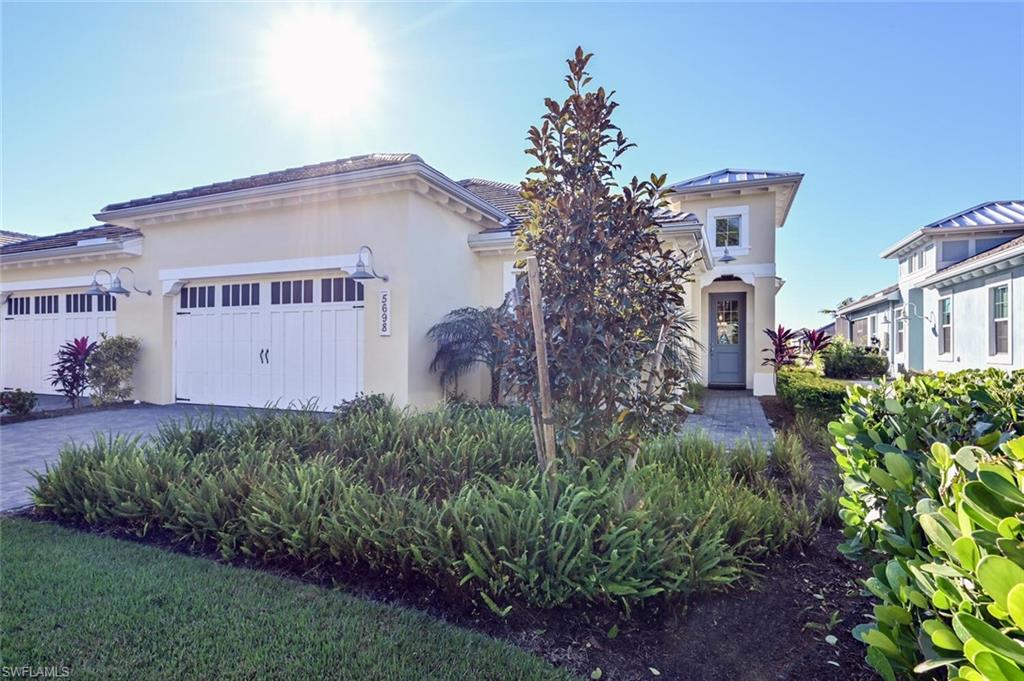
764 318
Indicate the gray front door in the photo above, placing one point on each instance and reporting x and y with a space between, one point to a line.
727 342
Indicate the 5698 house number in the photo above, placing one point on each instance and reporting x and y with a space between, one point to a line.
384 313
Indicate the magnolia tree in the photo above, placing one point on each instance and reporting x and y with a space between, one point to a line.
610 288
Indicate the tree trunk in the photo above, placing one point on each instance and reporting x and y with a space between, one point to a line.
495 385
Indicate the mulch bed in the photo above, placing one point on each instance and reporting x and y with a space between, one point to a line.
792 624
67 411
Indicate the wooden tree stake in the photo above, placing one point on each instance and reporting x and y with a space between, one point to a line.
543 377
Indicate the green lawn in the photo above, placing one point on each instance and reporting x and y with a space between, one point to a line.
111 609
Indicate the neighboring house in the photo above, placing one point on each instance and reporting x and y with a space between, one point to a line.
8 237
256 296
958 302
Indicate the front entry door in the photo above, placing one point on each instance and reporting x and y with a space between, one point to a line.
727 342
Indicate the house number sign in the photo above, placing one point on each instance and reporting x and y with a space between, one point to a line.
384 313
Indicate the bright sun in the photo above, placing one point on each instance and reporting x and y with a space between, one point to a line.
321 65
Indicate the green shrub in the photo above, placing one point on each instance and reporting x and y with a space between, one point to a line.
933 467
110 367
451 496
805 390
18 402
843 359
790 462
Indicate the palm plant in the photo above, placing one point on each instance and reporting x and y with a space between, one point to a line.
69 371
468 336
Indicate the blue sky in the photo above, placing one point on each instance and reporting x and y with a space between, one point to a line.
898 114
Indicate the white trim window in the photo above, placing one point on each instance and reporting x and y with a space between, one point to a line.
999 320
945 324
898 317
730 227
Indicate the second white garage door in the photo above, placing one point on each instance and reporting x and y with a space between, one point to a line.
288 342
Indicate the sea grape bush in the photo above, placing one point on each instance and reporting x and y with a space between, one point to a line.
843 359
451 496
933 469
110 367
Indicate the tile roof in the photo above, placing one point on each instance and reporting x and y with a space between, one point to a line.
9 237
993 213
506 198
64 239
503 196
337 167
734 176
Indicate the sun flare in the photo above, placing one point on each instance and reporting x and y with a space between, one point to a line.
321 65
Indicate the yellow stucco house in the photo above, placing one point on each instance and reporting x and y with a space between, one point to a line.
243 293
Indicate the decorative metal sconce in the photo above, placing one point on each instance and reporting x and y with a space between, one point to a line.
907 315
115 287
364 270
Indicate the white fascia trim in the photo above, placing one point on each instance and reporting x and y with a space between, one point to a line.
979 268
898 248
198 205
492 242
746 273
174 279
874 300
504 243
82 251
39 284
782 211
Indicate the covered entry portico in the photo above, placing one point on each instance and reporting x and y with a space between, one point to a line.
734 304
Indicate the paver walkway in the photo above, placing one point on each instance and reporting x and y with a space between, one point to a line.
30 445
731 416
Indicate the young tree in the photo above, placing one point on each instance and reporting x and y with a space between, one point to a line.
469 336
610 288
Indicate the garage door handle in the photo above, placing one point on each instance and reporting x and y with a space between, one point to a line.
261 356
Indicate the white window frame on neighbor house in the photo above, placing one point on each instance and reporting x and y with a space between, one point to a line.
743 213
945 353
990 289
897 316
509 276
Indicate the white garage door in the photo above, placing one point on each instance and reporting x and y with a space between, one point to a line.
35 326
286 342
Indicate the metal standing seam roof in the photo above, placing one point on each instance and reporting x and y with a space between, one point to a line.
64 239
728 176
992 213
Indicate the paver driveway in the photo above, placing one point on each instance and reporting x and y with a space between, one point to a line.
30 445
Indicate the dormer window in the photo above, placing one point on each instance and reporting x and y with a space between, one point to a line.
955 251
729 227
